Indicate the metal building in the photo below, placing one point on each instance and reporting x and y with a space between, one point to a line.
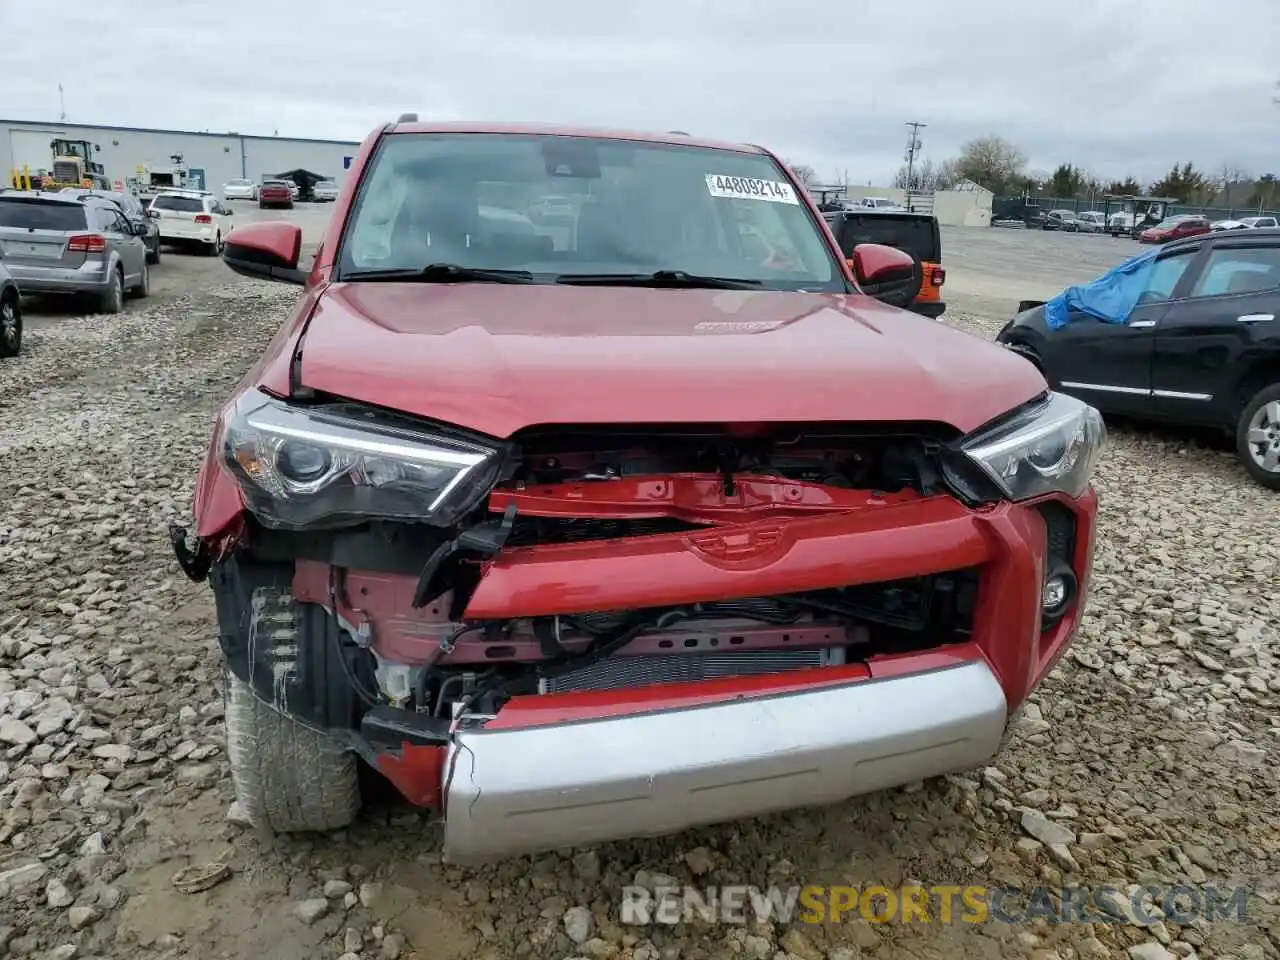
212 158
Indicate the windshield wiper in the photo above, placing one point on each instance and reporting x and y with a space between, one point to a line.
445 273
659 278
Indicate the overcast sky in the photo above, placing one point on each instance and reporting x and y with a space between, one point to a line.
1117 86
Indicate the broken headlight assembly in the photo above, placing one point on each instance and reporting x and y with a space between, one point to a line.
340 464
1050 447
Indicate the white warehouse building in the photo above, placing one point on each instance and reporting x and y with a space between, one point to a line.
211 158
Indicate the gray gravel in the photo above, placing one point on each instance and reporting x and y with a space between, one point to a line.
1150 754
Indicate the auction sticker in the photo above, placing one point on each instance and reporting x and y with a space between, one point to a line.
747 188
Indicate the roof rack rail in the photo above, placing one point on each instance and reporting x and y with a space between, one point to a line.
408 118
680 133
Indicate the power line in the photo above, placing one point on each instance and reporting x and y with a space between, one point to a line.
913 147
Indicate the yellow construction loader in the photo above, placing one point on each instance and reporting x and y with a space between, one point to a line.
73 166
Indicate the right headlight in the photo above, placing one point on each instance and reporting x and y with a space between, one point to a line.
316 467
1052 447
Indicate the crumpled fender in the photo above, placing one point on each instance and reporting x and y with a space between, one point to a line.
218 505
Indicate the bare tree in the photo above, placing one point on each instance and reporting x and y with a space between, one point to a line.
993 162
1232 173
927 176
1232 181
802 172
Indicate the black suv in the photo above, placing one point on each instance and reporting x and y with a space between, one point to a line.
133 211
1201 347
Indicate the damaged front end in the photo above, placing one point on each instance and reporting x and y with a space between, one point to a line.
418 592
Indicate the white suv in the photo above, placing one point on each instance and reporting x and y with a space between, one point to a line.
191 218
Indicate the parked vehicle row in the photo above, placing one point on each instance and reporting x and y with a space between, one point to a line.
323 191
97 244
1245 223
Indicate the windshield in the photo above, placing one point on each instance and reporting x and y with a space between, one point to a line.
561 206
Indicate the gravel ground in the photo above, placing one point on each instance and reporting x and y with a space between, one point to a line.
1149 756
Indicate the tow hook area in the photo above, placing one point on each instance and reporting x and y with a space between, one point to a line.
194 563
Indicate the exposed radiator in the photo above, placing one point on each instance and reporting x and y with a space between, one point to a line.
638 671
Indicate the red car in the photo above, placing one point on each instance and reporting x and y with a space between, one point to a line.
274 193
589 533
1175 228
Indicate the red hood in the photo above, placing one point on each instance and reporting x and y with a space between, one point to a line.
495 358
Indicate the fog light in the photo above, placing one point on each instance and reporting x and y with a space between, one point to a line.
1057 592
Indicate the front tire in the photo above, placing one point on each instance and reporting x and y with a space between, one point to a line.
10 325
1258 437
288 778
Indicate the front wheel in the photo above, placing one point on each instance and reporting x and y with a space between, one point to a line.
10 325
1258 437
288 778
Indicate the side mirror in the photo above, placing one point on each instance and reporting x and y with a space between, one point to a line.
885 273
140 228
266 251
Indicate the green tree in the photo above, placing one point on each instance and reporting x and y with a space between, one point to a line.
1066 181
1184 183
1128 187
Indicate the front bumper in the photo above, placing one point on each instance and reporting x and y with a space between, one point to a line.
542 787
93 277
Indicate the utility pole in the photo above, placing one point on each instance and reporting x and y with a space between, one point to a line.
62 103
913 147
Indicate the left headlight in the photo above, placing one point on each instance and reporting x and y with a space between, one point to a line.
1052 447
337 465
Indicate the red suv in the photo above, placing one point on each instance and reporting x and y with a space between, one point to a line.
1175 228
274 193
657 515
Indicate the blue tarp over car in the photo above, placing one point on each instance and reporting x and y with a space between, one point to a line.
1110 298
